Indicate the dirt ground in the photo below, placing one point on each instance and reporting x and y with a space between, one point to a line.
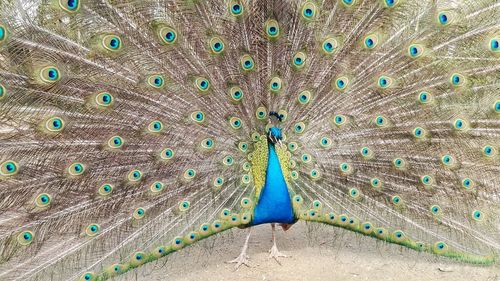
316 253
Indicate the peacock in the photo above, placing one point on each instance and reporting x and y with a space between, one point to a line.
130 130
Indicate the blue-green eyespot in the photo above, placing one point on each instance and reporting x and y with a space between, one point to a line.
341 83
275 85
139 213
235 123
202 84
445 18
9 168
304 97
25 238
272 29
198 117
50 74
156 81
236 94
390 3
261 113
189 174
88 276
134 175
371 41
54 124
167 35
415 50
43 200
299 60
309 11
425 97
236 8
105 189
115 142
216 45
112 43
104 99
76 169
3 92
247 63
384 82
427 180
166 154
70 6
329 45
3 33
457 80
155 126
92 229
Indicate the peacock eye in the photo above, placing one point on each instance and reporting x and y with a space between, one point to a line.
92 230
3 34
139 213
70 6
236 8
272 29
275 85
134 175
309 11
8 168
115 142
43 200
167 154
76 169
299 60
371 41
25 238
216 45
202 84
112 43
54 124
235 123
167 35
50 74
391 3
198 117
329 45
104 99
247 62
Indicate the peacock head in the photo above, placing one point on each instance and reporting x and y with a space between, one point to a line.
275 132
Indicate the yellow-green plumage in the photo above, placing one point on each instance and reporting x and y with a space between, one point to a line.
133 129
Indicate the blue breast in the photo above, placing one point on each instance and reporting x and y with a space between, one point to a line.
274 204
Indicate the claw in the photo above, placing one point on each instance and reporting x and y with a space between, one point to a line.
275 254
242 259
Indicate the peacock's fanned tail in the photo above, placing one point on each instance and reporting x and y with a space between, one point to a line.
132 129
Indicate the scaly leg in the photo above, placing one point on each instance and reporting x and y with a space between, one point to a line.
243 258
274 252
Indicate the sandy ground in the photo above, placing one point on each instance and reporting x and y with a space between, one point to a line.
317 253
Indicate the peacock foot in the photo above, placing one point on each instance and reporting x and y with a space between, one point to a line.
275 254
242 259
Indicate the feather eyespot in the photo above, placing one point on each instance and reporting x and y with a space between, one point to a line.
112 43
216 45
134 176
198 117
309 11
70 6
167 35
25 238
76 169
9 168
3 34
43 200
247 63
50 74
92 230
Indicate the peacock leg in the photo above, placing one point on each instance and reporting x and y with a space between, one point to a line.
274 252
243 258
